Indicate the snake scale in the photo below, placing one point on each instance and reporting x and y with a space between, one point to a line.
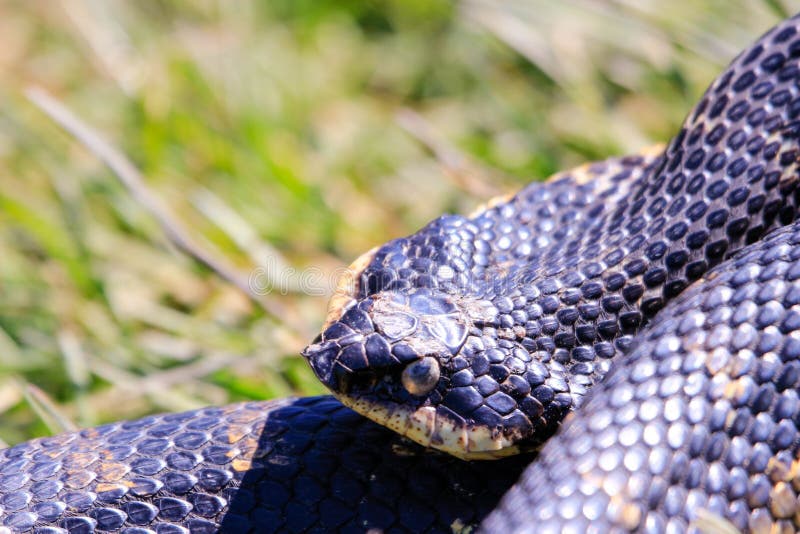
624 337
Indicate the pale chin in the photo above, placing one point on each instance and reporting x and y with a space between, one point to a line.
434 430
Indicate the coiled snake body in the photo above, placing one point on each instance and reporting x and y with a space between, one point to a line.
670 278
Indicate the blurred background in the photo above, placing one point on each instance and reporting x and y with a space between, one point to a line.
288 134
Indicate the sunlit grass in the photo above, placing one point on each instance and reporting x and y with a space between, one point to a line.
271 129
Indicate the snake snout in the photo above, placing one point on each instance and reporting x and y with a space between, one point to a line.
358 364
350 355
321 356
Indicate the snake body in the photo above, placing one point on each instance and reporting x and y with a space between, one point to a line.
699 423
668 279
292 465
478 335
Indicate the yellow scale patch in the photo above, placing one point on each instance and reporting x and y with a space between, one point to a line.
428 429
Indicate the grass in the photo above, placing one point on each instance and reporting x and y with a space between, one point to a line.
289 134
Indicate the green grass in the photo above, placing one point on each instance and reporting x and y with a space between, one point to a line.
285 114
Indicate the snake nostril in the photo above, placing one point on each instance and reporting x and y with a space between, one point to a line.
322 357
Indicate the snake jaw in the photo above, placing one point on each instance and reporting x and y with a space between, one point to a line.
436 428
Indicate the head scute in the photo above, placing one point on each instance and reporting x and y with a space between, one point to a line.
428 321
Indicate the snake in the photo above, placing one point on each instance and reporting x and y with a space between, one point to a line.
616 349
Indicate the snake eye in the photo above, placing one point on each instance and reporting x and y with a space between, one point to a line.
421 376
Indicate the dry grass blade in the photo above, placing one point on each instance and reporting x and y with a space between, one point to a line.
159 386
710 523
47 411
131 386
10 394
108 41
9 349
516 33
74 358
132 179
466 174
246 238
77 370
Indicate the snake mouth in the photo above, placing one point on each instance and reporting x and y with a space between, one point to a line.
435 428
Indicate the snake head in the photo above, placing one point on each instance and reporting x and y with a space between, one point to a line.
392 356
